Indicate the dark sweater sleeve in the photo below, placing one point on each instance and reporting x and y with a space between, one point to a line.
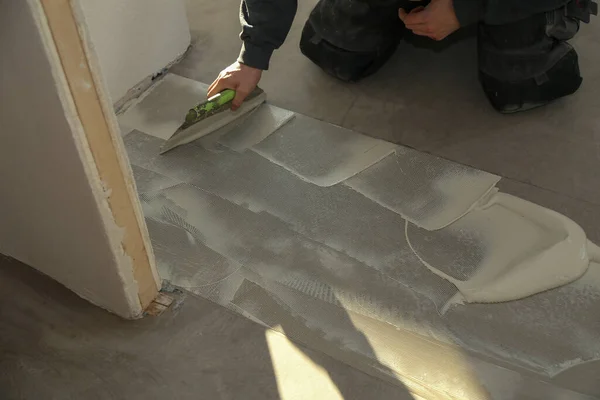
265 25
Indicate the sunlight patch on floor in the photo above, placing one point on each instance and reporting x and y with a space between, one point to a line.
298 377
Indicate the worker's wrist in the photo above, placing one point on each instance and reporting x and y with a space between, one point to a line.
255 56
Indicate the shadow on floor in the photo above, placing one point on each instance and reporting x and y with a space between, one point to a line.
55 345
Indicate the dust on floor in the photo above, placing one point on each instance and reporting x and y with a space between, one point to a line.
268 233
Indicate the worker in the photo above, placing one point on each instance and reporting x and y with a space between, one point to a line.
523 54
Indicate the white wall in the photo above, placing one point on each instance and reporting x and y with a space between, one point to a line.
134 39
53 212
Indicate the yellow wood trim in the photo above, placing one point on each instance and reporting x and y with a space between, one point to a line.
84 90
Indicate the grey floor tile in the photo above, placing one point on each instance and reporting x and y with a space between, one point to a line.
148 181
426 190
124 129
321 153
142 149
359 338
162 110
533 156
183 259
257 127
337 216
272 203
560 327
269 249
424 97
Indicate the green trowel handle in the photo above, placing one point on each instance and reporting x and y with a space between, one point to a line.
213 104
223 98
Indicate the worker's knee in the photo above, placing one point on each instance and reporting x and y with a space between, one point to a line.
346 65
528 63
351 39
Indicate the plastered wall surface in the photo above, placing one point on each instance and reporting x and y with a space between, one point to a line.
50 208
136 38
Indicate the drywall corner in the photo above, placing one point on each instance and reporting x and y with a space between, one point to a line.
122 159
54 207
102 146
135 39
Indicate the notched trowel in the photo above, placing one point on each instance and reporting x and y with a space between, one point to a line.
211 115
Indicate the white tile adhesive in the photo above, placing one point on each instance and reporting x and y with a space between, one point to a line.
522 249
414 268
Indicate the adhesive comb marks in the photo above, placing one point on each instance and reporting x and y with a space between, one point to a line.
194 226
150 181
329 215
549 332
257 127
327 263
321 153
161 111
428 191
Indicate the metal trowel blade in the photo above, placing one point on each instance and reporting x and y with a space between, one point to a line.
212 124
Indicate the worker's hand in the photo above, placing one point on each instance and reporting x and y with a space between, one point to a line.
436 21
239 77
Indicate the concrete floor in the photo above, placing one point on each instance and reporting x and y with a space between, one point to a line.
428 97
54 345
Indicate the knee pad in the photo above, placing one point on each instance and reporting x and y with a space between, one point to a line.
528 63
352 39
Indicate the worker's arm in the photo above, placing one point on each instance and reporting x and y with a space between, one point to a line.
265 26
